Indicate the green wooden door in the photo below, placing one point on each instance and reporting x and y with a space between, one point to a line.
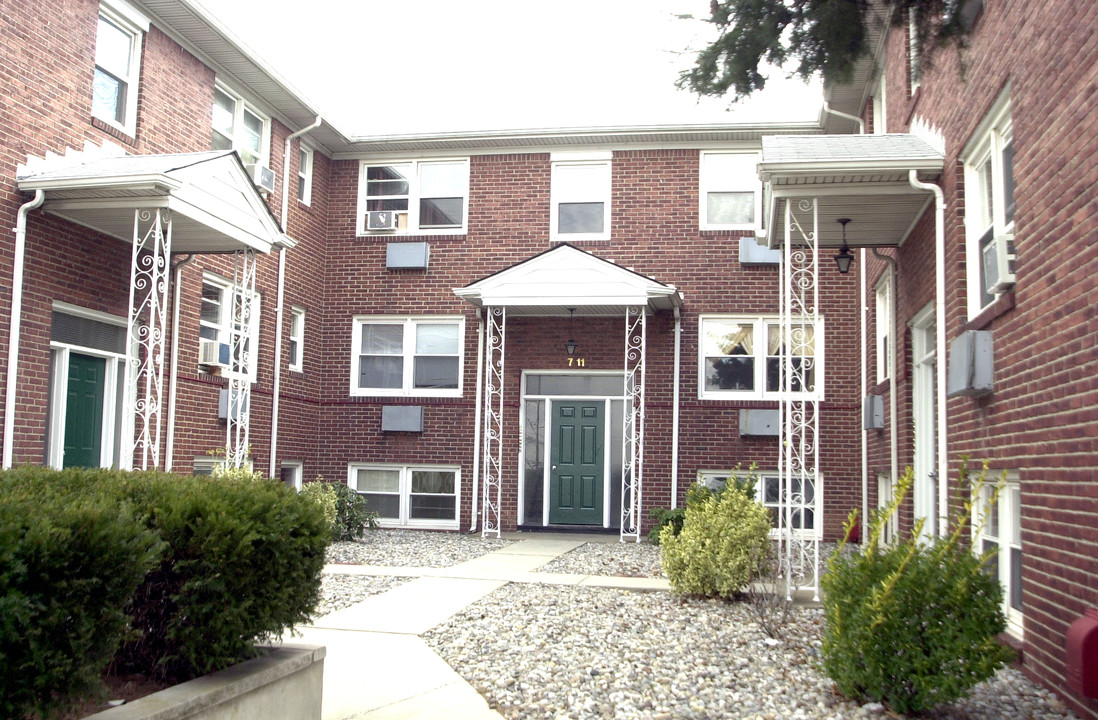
84 410
577 465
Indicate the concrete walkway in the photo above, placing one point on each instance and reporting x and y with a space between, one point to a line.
377 666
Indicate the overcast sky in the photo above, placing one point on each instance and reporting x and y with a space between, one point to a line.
411 66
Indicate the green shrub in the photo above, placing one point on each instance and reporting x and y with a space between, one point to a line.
352 517
243 564
913 624
674 517
324 495
69 561
725 537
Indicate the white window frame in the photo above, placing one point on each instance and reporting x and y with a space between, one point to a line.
1007 536
237 138
404 519
297 339
291 472
760 325
129 21
204 465
561 193
742 179
409 324
883 318
886 492
880 106
409 222
991 138
714 479
224 329
305 174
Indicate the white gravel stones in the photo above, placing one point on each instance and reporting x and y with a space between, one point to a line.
412 548
340 591
629 559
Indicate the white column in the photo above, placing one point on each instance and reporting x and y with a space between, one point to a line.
632 466
238 415
493 421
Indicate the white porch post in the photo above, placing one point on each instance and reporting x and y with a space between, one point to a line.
146 330
632 466
800 349
238 410
493 421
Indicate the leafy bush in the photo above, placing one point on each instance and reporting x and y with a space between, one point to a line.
243 564
674 517
324 495
352 517
724 538
69 562
913 624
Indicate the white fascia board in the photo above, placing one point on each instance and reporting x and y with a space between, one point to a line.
860 166
155 184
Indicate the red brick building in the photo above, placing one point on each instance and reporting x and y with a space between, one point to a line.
566 328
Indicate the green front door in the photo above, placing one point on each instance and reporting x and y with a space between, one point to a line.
577 463
84 410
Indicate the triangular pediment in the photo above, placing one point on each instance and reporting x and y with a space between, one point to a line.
567 277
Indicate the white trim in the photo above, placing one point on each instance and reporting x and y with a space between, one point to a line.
412 223
404 492
297 313
407 388
882 342
298 471
305 178
560 192
1009 514
225 329
717 478
127 20
759 336
708 182
924 419
127 12
237 139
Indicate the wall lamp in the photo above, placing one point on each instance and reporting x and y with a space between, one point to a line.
845 257
570 346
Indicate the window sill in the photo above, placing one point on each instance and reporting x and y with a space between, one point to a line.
1001 306
116 132
405 236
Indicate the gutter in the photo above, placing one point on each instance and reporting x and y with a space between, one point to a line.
279 305
15 323
676 412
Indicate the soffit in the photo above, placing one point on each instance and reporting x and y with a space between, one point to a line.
215 207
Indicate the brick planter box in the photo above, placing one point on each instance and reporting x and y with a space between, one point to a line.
284 684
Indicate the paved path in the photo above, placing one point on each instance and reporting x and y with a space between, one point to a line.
378 667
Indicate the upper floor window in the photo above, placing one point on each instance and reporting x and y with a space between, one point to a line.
730 190
305 176
297 338
884 325
417 196
580 197
229 336
989 208
117 65
407 356
741 358
238 127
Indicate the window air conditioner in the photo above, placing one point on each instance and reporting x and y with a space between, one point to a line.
262 176
998 264
381 220
212 353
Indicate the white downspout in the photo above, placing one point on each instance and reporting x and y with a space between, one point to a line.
476 420
939 343
861 123
177 274
893 413
675 413
863 311
277 386
14 325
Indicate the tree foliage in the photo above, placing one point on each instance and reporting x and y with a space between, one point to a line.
820 36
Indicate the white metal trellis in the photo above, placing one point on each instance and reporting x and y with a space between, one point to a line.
492 479
146 330
799 428
238 410
632 466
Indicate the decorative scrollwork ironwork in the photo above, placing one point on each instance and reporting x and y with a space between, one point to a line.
492 480
632 476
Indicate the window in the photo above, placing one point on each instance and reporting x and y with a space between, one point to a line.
297 338
730 190
999 528
415 196
220 322
884 325
407 356
238 127
409 496
880 106
580 194
305 176
989 201
117 65
768 492
290 472
205 465
740 358
886 493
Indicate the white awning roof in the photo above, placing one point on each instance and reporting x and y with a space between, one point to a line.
567 277
861 177
214 204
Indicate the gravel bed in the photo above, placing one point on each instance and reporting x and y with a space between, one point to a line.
629 559
537 651
340 591
412 548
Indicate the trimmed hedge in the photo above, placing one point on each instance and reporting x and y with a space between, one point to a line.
204 567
